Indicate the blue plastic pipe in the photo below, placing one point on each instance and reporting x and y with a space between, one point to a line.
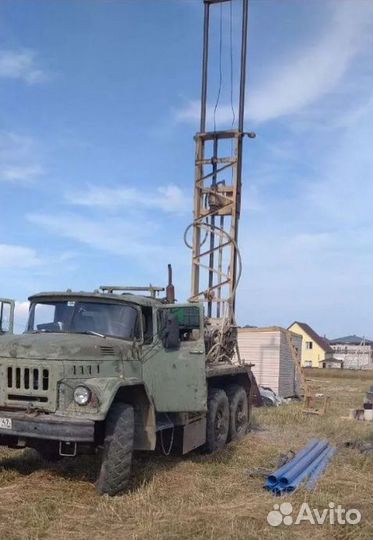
305 472
309 464
273 478
320 468
301 465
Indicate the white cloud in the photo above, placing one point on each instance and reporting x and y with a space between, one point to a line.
24 173
113 235
191 112
21 64
306 76
323 278
170 198
12 257
309 255
341 193
19 158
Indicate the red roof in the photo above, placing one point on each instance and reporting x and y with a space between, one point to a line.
323 343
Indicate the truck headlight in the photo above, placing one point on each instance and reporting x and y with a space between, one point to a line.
82 395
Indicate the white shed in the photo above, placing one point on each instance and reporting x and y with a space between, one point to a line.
268 348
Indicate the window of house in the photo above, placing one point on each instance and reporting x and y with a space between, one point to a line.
309 345
308 363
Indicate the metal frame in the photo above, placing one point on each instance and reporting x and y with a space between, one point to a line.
112 289
215 267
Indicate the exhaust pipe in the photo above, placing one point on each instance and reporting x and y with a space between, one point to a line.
170 289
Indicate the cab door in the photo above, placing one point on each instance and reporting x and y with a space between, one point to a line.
6 316
174 369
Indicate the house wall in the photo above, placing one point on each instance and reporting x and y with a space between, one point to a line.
354 356
310 357
263 350
268 349
289 383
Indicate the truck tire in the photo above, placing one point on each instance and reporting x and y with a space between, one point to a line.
118 448
217 420
238 412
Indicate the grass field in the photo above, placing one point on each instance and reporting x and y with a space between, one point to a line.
199 496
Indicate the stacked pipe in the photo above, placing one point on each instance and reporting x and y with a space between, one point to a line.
306 466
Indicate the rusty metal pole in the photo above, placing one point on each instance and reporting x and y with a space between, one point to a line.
241 110
241 119
200 150
205 59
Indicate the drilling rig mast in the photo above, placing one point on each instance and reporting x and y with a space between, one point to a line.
216 261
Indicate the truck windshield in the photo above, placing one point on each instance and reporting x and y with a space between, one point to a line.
74 316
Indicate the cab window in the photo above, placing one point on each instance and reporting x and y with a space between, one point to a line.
188 318
147 324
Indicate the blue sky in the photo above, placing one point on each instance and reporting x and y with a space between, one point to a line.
98 107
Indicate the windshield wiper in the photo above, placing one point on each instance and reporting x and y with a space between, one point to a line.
90 333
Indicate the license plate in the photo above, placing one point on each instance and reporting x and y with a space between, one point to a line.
5 423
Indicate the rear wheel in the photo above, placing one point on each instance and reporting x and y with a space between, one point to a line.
118 448
238 412
217 420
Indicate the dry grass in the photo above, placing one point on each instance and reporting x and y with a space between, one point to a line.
199 496
362 375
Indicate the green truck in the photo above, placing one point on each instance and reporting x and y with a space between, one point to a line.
114 372
122 369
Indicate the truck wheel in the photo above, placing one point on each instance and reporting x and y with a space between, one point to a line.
238 412
217 420
118 447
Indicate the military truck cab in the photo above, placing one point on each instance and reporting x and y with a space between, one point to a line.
113 372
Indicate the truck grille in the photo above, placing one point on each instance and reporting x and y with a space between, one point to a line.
107 350
27 384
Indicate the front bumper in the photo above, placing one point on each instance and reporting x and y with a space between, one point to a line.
47 426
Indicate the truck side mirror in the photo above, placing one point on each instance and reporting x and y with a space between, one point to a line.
171 333
6 316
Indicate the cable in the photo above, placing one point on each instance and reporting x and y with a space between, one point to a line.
223 346
220 63
168 451
222 232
